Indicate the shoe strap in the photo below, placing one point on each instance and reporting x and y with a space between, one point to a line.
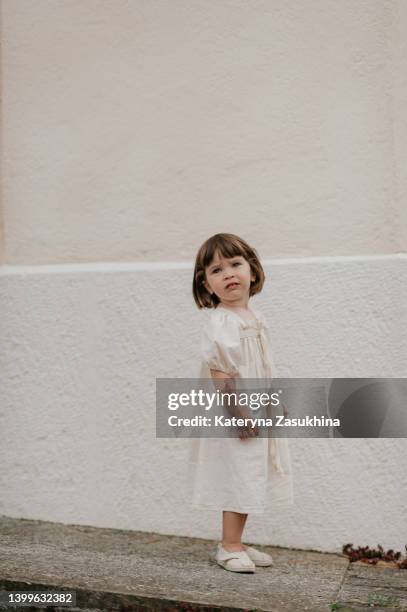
225 555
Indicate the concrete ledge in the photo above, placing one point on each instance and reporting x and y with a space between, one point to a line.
112 569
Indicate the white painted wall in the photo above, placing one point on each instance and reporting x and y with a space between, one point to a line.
83 344
133 130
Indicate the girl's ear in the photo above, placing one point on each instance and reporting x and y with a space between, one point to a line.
207 287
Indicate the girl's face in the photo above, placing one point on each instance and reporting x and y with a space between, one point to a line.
229 279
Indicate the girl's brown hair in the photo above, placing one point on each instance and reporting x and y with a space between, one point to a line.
228 245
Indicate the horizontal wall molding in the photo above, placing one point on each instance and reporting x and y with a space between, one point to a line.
108 266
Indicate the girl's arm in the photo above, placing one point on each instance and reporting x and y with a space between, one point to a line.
225 383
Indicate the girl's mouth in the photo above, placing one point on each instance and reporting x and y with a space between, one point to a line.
232 286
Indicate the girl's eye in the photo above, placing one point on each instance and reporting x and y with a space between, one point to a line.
236 263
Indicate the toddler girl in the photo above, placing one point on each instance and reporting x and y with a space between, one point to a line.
235 474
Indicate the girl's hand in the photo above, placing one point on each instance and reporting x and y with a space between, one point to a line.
246 431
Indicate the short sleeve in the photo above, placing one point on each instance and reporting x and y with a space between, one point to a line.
220 343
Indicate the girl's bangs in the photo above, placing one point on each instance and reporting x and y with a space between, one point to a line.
227 248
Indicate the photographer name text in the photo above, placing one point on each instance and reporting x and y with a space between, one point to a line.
279 421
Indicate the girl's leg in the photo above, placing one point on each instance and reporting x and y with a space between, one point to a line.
233 524
244 523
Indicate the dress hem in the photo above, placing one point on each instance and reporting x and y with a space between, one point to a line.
230 508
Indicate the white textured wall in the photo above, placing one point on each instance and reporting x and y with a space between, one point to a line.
81 348
132 130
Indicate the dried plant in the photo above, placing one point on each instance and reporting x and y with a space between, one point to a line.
372 556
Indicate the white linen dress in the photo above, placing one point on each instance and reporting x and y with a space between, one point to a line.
250 475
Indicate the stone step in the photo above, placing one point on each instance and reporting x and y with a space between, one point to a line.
113 569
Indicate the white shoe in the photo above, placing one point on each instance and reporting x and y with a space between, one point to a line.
236 561
260 559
